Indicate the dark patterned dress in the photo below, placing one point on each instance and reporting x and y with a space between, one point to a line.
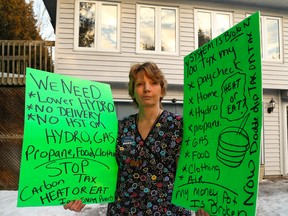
147 167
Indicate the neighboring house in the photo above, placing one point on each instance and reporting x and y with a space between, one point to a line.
83 51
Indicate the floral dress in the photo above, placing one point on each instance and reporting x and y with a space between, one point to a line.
147 167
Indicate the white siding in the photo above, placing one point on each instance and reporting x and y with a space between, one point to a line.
271 128
186 29
114 67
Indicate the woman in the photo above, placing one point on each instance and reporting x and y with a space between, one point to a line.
147 149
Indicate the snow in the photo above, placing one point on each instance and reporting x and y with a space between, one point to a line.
272 200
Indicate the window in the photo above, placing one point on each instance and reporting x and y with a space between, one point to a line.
210 24
96 26
271 38
157 29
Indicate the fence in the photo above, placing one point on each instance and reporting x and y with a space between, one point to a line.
16 55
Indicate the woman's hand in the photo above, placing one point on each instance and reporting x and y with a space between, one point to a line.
201 212
76 205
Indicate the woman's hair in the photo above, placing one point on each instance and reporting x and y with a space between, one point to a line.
152 71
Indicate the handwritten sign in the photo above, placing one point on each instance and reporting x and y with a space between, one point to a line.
69 141
219 160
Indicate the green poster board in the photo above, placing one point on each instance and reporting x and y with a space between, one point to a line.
219 160
69 144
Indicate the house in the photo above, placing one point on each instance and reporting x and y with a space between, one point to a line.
99 40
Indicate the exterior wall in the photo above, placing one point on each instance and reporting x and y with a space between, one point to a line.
113 67
102 66
284 132
271 127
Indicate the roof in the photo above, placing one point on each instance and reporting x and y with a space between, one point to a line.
51 5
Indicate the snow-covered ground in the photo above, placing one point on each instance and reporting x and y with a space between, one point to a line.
272 200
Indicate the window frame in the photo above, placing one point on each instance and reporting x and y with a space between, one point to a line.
212 21
264 33
97 32
157 30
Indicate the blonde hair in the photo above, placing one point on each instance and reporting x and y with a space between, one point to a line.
152 71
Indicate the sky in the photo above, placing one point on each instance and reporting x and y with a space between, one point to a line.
41 14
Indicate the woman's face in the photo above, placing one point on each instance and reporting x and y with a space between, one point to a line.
147 92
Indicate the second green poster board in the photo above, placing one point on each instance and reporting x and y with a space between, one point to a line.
219 160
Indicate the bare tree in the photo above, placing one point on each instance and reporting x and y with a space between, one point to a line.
43 23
